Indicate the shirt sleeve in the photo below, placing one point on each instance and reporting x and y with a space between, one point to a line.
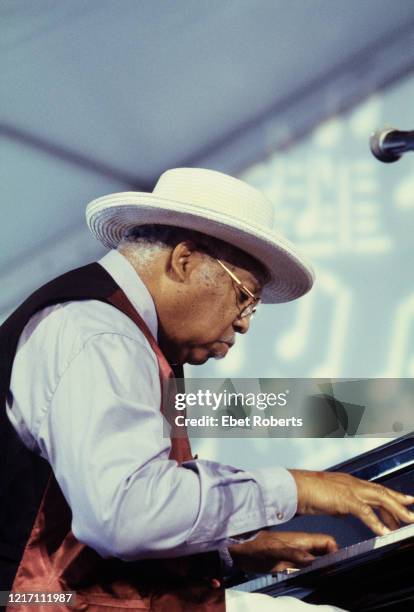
103 435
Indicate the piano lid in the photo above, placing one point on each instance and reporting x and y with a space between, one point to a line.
381 462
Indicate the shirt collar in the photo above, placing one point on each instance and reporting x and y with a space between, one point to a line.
128 279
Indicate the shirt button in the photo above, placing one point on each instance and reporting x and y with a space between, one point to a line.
280 515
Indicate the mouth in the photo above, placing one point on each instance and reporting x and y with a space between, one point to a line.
224 347
228 343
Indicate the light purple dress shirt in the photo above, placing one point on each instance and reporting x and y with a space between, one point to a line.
85 395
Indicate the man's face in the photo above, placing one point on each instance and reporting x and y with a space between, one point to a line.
210 319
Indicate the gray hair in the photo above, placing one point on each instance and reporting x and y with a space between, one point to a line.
143 242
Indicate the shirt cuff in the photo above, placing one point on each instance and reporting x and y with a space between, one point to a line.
280 495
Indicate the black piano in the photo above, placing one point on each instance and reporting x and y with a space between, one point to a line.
367 573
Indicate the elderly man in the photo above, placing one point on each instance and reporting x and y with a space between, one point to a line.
96 500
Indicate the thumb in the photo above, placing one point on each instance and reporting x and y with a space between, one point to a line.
281 566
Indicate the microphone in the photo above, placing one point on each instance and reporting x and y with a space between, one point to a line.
388 144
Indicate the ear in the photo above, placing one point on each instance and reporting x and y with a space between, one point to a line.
183 259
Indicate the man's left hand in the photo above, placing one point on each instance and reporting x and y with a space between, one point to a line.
273 551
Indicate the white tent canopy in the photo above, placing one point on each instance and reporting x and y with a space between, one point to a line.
104 96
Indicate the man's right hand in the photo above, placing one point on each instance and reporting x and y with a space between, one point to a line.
338 493
275 551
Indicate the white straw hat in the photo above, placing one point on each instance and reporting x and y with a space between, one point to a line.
217 205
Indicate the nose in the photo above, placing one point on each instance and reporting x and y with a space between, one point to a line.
241 326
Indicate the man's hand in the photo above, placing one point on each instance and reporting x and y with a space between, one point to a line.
274 551
340 494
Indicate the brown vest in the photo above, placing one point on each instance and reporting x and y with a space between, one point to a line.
42 546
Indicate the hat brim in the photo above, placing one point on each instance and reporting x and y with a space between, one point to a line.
109 217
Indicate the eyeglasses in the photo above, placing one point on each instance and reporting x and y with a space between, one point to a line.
250 309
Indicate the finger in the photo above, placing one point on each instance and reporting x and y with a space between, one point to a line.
403 498
296 556
281 566
366 514
389 519
380 497
319 543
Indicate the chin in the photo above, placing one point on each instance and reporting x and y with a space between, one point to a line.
197 355
200 356
196 360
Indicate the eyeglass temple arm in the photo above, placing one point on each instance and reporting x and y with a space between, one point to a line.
236 280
